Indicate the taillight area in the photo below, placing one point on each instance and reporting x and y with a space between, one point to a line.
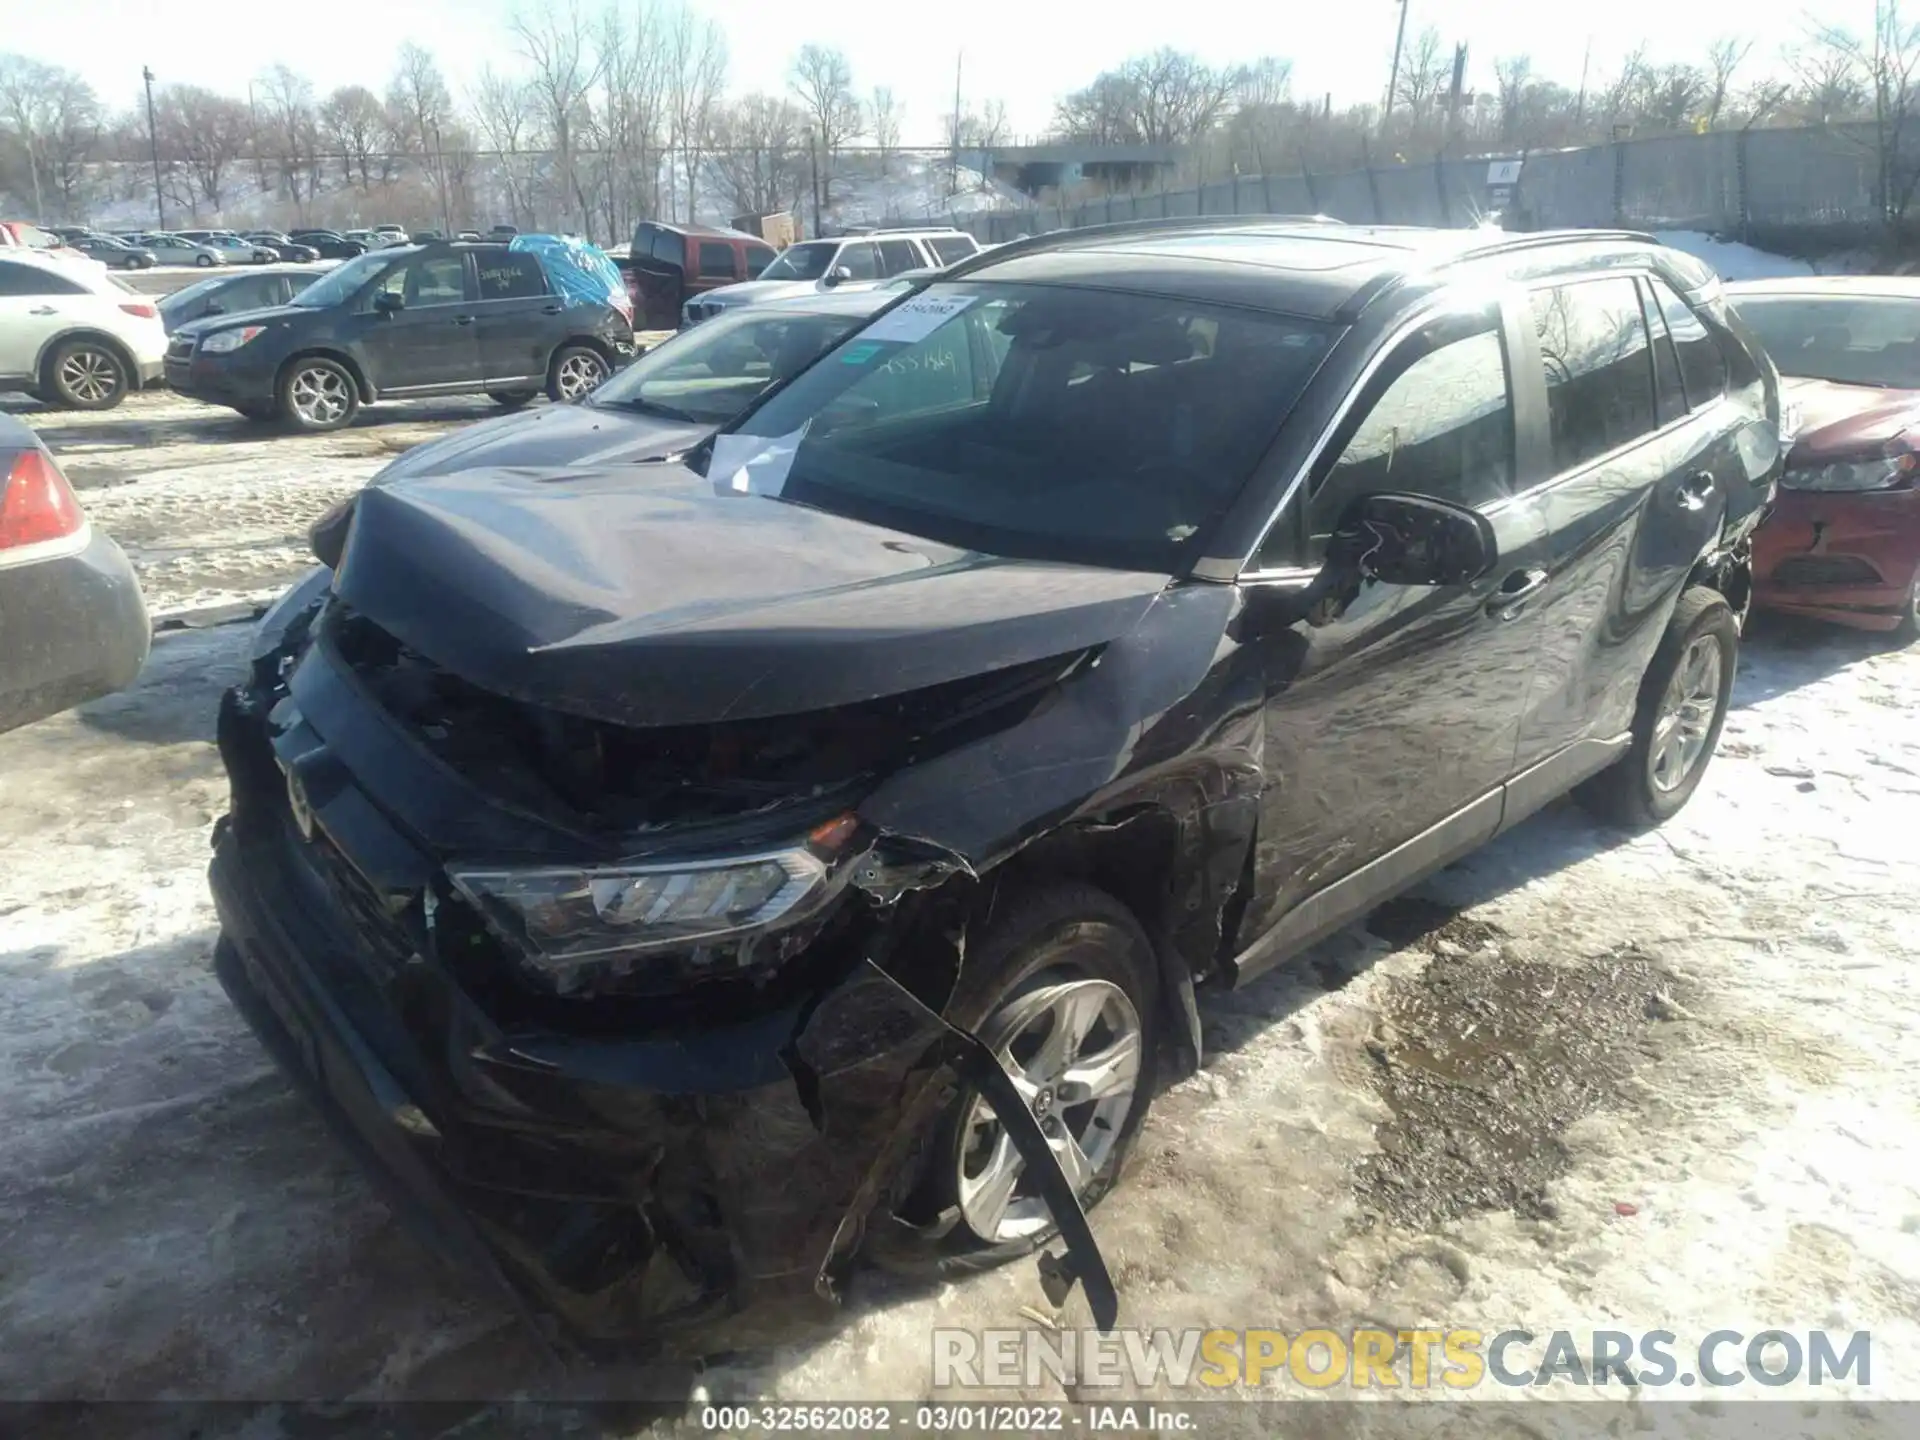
36 503
145 312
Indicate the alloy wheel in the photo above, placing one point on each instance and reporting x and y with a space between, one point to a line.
579 373
320 396
1686 716
89 376
1073 1052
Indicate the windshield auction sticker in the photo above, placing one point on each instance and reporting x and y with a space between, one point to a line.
917 318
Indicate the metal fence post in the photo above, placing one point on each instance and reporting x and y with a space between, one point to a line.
1440 185
1619 183
1373 182
1742 198
1266 190
1313 193
1236 191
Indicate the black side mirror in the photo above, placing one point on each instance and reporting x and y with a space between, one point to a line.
839 273
214 307
387 302
1412 540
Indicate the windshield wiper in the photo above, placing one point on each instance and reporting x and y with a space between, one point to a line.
654 407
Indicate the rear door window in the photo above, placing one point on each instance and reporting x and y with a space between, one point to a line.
1703 370
951 250
716 260
1593 343
669 249
899 256
509 275
33 280
1669 399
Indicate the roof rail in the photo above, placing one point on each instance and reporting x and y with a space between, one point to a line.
1528 239
1053 239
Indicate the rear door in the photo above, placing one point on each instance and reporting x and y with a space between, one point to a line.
1632 499
520 320
432 342
658 259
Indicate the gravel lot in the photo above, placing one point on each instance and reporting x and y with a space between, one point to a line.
1700 1109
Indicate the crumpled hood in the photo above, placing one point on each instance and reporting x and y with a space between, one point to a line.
564 435
645 597
1843 420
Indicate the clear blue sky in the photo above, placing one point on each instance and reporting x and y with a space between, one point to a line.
1025 52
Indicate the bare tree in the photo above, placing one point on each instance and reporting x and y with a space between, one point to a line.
1832 82
55 119
293 131
207 133
1622 99
696 78
823 81
1426 70
1674 95
626 111
421 108
353 124
1724 57
555 42
504 108
1166 98
1890 61
760 149
884 107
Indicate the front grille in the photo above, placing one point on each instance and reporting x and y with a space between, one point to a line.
1825 570
180 349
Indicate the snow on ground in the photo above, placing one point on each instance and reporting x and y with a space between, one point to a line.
1710 1121
1733 260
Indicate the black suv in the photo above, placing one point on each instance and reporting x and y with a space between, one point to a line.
401 322
687 879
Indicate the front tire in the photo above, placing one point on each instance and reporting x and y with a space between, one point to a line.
1909 628
575 371
1063 985
316 395
85 375
1683 704
205 262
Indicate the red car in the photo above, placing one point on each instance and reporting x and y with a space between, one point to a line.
1843 541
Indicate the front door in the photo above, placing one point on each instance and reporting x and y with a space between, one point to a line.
432 341
520 322
1392 711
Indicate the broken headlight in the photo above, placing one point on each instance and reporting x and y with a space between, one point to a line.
567 920
1853 476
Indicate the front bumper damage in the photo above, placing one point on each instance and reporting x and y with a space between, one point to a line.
705 1184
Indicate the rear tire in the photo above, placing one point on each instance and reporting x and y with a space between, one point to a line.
205 262
575 371
1909 628
1674 732
316 394
512 399
84 375
1062 934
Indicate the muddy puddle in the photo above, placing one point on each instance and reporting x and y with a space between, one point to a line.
1485 1060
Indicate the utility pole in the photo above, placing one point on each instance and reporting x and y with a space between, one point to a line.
1393 74
440 157
1580 104
153 144
953 175
813 168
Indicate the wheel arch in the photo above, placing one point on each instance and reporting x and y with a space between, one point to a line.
327 352
96 334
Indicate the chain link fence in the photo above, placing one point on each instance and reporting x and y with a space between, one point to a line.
1725 182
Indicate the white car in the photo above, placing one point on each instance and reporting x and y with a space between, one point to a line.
75 335
813 266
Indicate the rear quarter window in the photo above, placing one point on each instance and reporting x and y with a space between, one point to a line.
1703 369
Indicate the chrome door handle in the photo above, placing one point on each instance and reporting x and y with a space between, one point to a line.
463 319
43 310
1514 593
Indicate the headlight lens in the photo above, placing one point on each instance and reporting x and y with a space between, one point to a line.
223 341
572 922
1853 475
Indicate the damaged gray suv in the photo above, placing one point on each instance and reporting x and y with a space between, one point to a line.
684 880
